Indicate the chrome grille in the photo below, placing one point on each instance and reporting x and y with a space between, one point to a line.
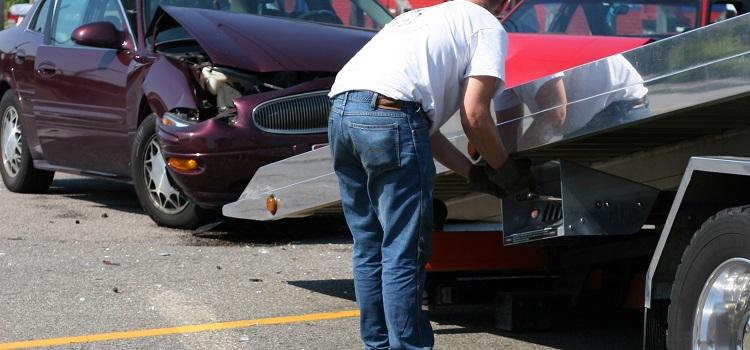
297 114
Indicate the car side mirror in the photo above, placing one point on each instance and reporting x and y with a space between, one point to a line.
99 34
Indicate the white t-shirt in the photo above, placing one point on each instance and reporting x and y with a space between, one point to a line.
589 89
425 56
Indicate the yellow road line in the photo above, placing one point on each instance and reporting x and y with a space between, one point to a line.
177 330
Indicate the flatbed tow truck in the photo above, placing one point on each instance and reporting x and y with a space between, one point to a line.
646 201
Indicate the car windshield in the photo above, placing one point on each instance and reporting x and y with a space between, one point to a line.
351 13
600 17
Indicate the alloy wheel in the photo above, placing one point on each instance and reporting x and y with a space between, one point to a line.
11 142
723 310
163 195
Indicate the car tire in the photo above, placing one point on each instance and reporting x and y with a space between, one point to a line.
18 172
165 204
711 290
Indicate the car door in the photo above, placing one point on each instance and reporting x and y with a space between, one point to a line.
24 56
80 101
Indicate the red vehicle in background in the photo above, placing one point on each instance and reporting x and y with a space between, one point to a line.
16 13
580 31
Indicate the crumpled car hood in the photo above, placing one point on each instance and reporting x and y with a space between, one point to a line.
532 56
264 44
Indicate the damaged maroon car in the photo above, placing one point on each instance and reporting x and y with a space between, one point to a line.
185 99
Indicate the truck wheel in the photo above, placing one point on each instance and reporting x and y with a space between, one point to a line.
710 301
164 203
18 172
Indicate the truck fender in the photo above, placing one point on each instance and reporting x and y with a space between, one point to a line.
709 185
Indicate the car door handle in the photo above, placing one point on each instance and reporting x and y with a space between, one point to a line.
47 70
20 56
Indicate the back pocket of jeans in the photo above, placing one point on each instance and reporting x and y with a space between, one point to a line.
376 145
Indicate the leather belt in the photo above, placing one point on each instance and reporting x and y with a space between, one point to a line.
389 103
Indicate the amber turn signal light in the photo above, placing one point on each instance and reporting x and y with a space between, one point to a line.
183 164
272 204
473 152
166 121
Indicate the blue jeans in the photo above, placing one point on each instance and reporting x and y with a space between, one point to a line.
383 161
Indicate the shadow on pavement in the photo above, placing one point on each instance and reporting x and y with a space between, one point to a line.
288 231
106 194
342 288
613 330
575 330
112 195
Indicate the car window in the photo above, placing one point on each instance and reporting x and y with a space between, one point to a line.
73 13
109 11
599 17
70 15
39 23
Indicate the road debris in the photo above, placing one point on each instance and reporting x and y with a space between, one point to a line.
78 222
109 262
165 254
218 267
244 338
256 280
104 215
15 238
116 290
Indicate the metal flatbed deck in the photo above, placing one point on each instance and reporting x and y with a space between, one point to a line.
697 83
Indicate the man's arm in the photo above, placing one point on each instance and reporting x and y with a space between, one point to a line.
549 124
477 121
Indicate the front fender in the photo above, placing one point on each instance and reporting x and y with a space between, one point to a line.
168 85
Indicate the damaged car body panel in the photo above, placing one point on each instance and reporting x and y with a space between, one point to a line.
260 92
165 87
234 92
231 146
264 44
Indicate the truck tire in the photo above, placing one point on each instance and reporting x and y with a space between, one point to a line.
165 204
17 169
711 293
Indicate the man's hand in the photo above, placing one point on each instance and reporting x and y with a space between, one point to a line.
479 181
513 176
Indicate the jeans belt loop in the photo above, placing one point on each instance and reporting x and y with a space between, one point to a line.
374 101
346 98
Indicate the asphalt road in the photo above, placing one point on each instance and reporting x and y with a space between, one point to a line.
83 260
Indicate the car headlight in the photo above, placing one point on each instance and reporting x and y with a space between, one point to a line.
176 119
